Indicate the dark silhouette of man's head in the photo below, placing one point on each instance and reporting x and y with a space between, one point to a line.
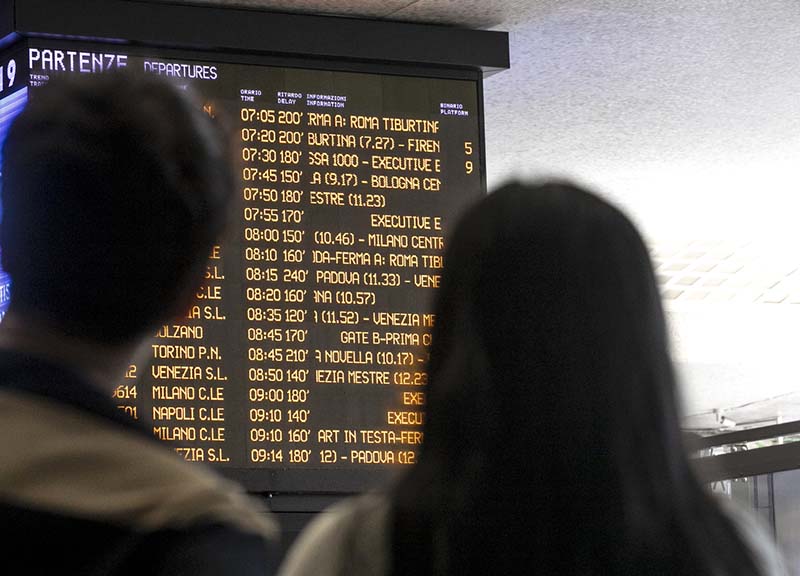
114 189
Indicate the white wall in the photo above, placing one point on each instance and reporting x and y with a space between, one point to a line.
687 113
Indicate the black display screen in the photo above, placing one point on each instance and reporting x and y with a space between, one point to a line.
301 365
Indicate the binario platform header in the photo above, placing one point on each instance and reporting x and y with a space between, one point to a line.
301 365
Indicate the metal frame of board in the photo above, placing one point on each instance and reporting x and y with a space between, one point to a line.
254 31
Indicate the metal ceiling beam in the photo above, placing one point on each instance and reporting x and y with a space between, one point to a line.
748 463
744 436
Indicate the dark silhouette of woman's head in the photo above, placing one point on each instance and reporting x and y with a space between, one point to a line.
551 436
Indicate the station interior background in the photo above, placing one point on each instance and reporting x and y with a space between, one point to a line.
687 114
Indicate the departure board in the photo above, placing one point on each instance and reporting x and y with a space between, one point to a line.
301 363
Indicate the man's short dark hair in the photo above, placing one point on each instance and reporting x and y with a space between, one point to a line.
114 189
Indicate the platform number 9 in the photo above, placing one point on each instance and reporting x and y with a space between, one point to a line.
8 73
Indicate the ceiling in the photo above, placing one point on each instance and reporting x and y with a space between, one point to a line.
465 13
686 114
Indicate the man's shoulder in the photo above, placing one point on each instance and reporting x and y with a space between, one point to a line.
64 459
97 488
49 541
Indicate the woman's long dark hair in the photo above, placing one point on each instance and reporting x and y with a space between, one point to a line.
551 438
